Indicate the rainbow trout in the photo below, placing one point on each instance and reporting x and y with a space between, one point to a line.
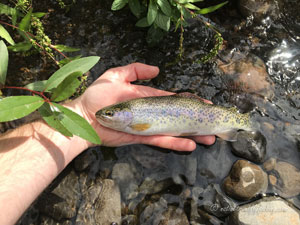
176 115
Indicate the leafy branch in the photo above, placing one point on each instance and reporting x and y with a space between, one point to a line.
30 21
60 86
159 14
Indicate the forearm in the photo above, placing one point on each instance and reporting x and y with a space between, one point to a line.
30 158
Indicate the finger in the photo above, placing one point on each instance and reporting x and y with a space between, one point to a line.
132 72
174 143
145 91
206 140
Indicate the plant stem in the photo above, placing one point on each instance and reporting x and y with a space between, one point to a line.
32 91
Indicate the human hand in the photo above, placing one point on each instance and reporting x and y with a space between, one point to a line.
114 86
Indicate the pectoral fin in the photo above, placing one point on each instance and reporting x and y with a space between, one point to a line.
228 136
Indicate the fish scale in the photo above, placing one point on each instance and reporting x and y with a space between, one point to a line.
175 115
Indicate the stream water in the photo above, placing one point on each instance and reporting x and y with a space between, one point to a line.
258 70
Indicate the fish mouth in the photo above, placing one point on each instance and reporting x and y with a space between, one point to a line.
103 120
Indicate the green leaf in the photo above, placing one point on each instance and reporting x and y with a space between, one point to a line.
165 7
83 65
39 14
24 25
16 107
64 48
20 47
191 6
135 7
154 35
4 9
69 59
142 22
67 88
25 22
162 21
183 1
211 8
77 125
152 12
36 86
5 35
118 4
53 119
3 62
194 1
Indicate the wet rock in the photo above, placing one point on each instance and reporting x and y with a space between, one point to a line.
269 164
216 202
251 146
130 220
108 206
199 216
100 204
245 181
162 214
151 186
260 9
185 167
49 221
126 176
248 74
287 179
60 203
148 157
269 210
85 159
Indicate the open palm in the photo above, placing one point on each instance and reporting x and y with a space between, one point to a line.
114 86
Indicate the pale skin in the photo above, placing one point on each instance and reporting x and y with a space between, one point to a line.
32 155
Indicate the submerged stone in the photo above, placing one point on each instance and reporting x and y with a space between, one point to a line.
251 146
266 211
245 181
287 183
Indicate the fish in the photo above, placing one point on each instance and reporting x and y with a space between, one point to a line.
182 114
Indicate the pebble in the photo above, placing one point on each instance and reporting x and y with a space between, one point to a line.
266 211
216 202
245 181
287 183
251 146
126 176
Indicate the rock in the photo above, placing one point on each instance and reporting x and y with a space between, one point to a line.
250 145
148 157
260 9
100 203
248 74
60 201
49 221
272 179
151 186
185 167
215 202
108 205
269 164
199 216
85 159
266 211
245 181
126 176
288 179
162 214
130 220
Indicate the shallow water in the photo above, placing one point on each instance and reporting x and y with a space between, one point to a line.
113 36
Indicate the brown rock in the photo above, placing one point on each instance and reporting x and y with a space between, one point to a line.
245 181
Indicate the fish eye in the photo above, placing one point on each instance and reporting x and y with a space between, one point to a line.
109 113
